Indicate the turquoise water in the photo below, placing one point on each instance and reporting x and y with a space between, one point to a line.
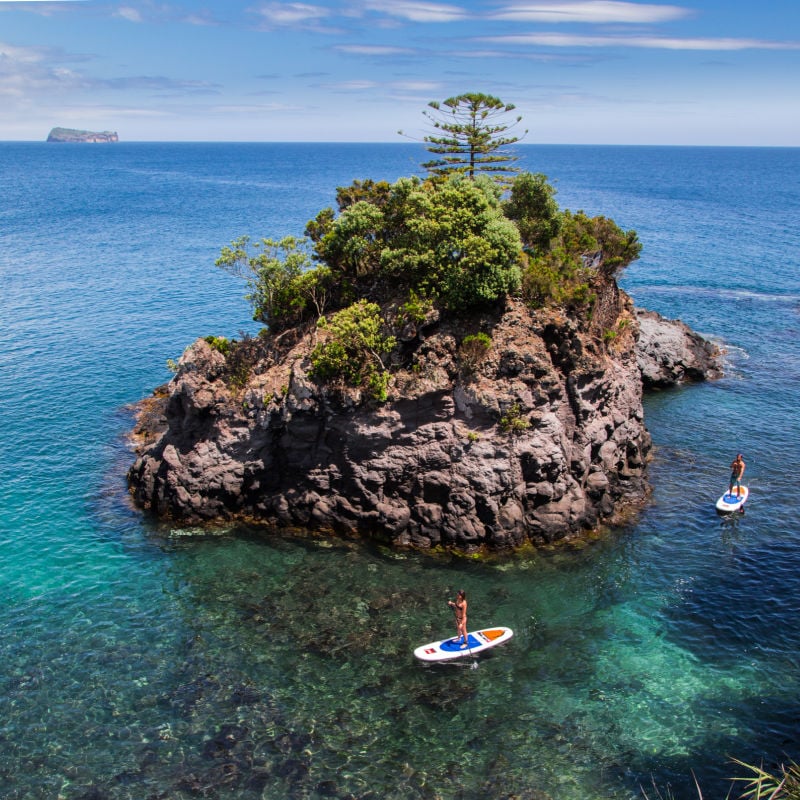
140 661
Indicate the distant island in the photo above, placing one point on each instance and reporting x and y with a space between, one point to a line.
72 135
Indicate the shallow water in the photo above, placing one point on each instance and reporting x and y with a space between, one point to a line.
143 661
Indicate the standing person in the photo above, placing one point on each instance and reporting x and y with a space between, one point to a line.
459 607
737 470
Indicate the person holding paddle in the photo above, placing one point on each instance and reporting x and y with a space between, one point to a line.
459 607
737 470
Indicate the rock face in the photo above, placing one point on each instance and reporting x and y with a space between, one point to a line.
72 135
670 352
539 440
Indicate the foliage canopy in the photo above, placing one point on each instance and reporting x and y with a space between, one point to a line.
283 286
583 253
446 240
533 207
452 242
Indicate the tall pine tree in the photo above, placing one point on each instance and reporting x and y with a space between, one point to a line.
469 132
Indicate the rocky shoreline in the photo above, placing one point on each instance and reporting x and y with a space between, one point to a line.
543 440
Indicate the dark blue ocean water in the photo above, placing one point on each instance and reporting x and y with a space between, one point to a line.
139 661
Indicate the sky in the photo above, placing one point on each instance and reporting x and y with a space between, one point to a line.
700 72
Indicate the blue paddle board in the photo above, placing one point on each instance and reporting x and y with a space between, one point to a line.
477 642
730 501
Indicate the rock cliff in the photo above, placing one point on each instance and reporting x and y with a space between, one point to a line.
72 135
540 439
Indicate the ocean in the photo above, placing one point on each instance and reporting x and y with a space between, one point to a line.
144 661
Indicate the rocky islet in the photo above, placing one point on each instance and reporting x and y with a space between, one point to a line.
540 441
72 135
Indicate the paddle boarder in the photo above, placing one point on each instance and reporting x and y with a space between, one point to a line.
737 470
459 606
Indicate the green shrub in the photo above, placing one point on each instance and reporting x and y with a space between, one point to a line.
353 350
284 288
242 357
220 344
533 207
447 240
513 421
416 308
557 279
474 349
459 246
584 250
617 330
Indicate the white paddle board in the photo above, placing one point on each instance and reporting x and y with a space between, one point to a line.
478 641
730 501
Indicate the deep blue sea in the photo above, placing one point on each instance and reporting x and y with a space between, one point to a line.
138 661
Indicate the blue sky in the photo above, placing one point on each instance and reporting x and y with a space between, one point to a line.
719 72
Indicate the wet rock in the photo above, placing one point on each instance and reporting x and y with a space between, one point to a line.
245 696
292 769
224 741
199 786
257 781
188 695
443 698
669 352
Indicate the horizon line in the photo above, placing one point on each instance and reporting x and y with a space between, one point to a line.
390 142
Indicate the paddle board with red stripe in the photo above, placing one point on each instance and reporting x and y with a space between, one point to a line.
455 648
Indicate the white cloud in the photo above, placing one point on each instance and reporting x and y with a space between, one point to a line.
416 86
373 50
31 72
417 11
350 86
200 19
10 54
645 42
280 15
590 11
131 14
110 112
263 108
25 71
537 56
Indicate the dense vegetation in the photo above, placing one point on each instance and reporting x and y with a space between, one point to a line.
453 242
464 238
